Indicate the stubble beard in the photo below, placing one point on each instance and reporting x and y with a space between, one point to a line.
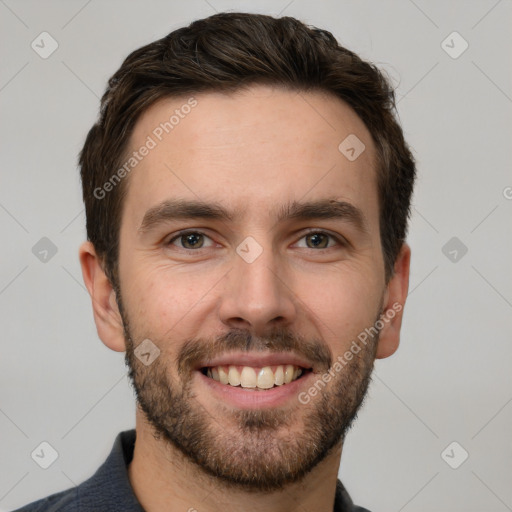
260 450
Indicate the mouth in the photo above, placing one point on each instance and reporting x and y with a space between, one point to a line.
255 378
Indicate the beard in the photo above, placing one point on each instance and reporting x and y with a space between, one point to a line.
260 450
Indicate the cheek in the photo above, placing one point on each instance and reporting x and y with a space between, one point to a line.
342 305
165 299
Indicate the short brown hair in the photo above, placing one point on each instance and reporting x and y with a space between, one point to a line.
224 53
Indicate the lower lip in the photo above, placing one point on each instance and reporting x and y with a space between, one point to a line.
251 399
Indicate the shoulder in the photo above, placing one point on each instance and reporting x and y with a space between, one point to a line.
64 501
107 489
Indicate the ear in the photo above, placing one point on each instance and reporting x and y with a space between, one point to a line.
394 302
106 313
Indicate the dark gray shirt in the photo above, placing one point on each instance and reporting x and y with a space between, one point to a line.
109 489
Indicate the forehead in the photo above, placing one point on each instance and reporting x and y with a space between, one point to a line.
260 146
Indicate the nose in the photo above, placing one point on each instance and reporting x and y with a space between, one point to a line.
258 296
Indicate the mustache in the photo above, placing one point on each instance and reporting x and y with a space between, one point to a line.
197 350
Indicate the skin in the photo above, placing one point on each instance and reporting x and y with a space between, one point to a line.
254 150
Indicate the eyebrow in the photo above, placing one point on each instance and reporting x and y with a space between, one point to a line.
174 209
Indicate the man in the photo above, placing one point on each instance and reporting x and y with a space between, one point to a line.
247 190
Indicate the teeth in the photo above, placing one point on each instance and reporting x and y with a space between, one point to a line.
279 376
233 376
265 378
255 378
248 377
223 376
288 374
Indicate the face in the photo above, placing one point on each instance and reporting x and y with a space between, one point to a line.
250 261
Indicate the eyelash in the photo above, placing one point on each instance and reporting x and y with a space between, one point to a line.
181 234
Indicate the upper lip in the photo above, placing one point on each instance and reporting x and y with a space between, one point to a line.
256 359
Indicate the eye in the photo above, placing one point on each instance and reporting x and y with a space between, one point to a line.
193 240
190 240
320 240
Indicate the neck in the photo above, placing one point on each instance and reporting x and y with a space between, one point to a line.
163 479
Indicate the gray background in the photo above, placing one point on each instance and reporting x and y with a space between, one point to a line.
450 379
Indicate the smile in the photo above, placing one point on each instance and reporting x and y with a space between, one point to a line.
254 378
